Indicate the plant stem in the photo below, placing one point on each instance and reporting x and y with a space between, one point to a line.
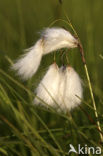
90 88
93 100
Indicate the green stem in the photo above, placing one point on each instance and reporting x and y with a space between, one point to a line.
87 75
93 100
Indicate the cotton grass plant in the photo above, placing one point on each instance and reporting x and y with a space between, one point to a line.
51 40
35 131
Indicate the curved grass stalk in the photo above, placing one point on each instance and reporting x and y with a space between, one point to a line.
88 78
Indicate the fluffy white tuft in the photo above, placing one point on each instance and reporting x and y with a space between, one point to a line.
48 87
72 91
51 39
60 88
28 64
57 38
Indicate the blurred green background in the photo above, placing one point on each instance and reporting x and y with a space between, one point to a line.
20 24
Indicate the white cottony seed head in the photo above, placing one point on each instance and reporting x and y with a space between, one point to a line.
51 39
60 88
72 89
57 38
48 87
28 64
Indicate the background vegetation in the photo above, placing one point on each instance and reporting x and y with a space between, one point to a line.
24 129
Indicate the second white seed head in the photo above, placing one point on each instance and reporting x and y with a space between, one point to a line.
60 88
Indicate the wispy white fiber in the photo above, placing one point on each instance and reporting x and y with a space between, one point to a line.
72 89
57 38
51 39
62 86
48 87
28 64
